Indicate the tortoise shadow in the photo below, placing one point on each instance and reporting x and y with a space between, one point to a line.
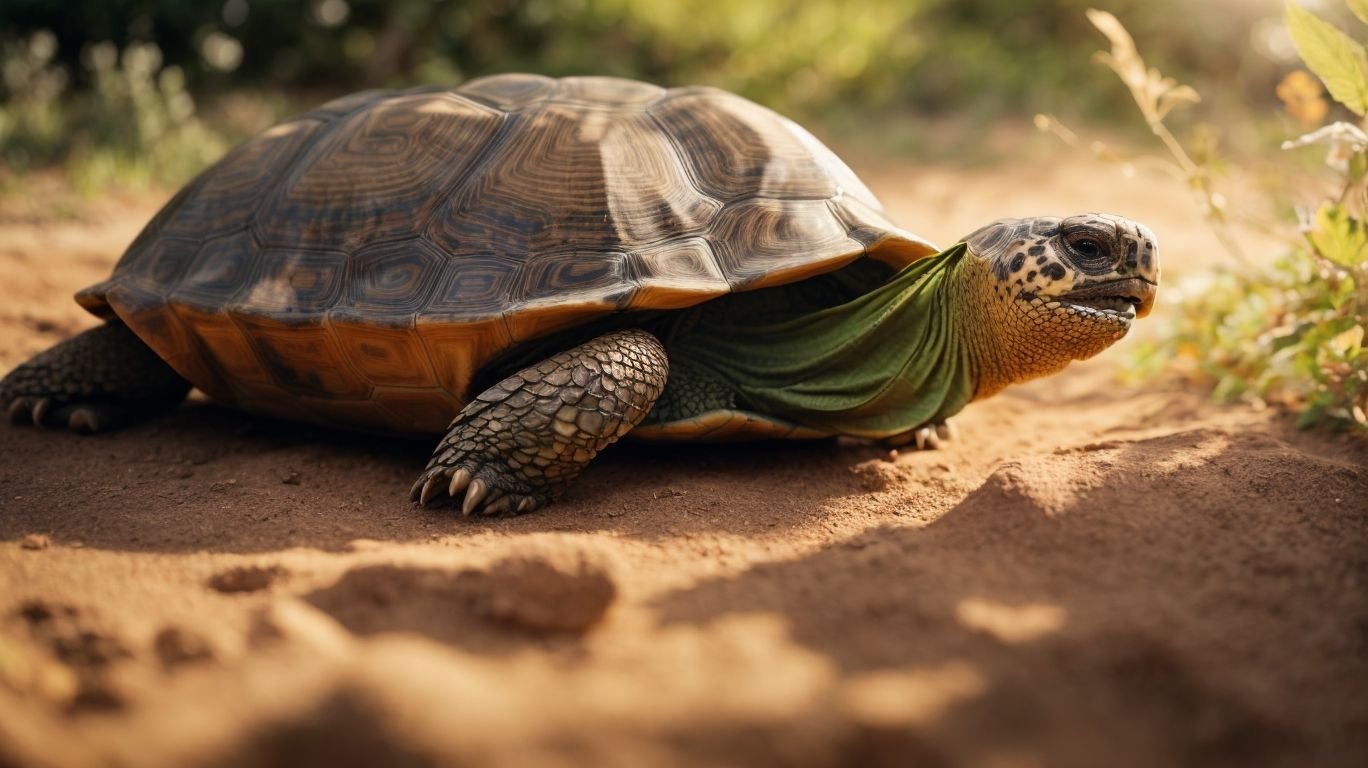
1092 590
208 478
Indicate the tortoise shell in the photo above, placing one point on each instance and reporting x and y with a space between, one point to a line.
358 264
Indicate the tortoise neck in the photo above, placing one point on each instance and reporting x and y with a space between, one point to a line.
886 362
1004 343
972 303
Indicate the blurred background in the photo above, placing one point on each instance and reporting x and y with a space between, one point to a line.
150 91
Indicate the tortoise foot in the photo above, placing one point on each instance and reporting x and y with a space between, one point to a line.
56 412
484 485
93 382
516 444
928 437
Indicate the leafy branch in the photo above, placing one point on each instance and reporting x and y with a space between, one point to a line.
1157 96
1292 334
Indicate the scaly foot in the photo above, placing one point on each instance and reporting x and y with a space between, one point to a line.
521 439
92 382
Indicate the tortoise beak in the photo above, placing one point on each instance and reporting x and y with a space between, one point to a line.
1116 294
1141 257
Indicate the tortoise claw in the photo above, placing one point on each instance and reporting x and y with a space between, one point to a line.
18 411
431 488
86 420
474 495
40 411
29 410
459 480
933 440
928 437
486 488
500 506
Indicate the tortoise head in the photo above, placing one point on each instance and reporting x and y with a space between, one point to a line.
1052 290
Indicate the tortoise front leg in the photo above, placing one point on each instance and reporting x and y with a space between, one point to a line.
512 447
103 378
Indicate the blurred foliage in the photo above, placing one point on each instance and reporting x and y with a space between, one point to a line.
134 123
835 64
1291 335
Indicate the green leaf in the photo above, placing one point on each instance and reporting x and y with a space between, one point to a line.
1311 416
1291 339
1360 9
1340 237
1339 61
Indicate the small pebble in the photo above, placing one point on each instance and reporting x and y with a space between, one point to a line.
176 646
35 541
246 578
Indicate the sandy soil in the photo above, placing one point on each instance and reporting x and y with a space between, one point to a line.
1093 575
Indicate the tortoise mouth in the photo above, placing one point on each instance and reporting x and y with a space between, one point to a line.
1124 298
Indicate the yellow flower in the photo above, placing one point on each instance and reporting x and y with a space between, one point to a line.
1301 92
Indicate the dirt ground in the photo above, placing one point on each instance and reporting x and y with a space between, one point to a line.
1092 575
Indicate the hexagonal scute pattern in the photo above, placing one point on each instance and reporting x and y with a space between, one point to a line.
227 198
391 283
370 256
379 173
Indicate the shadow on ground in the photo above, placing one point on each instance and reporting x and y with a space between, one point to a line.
1089 659
212 479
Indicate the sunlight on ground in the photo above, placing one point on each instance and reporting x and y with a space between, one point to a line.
900 698
1010 623
1201 452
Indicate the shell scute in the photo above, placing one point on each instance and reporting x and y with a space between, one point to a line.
293 286
227 199
392 281
754 241
598 280
510 92
676 274
606 92
379 173
303 360
386 356
735 148
474 288
220 269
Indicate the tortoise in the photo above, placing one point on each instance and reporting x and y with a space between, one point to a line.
558 263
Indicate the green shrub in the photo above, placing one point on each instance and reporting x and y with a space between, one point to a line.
1293 334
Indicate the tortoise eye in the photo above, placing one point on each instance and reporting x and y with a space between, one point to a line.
1089 252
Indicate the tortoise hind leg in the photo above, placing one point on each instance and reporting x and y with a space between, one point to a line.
512 447
103 378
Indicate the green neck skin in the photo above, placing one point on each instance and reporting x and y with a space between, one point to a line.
886 362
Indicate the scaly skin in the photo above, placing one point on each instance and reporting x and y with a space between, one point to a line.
516 444
101 379
1032 324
